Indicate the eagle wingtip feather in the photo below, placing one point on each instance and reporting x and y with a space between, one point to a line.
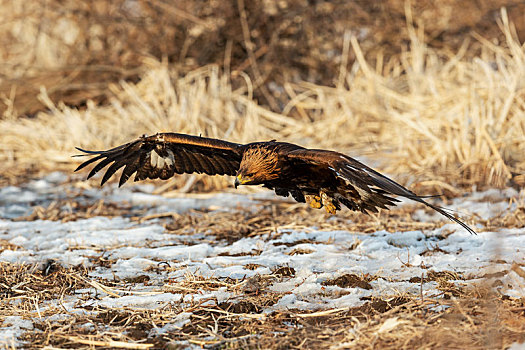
87 151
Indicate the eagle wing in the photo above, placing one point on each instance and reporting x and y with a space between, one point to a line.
164 155
373 188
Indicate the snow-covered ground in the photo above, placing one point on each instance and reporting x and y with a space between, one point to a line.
137 248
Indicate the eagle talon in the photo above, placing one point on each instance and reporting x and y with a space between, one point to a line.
314 201
328 203
330 208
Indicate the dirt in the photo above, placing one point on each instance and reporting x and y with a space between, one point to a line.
349 281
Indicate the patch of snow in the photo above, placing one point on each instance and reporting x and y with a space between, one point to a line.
516 346
140 301
12 328
177 323
136 249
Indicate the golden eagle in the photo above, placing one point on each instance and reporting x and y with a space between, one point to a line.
319 177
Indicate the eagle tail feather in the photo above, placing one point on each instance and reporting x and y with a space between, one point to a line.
394 188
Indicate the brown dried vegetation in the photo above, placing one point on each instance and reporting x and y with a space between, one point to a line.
431 91
475 317
426 90
461 315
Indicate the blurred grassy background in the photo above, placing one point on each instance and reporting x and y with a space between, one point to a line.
433 93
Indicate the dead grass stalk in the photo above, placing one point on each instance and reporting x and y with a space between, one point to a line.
426 112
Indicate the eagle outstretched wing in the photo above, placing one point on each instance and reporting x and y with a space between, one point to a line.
164 155
372 188
319 177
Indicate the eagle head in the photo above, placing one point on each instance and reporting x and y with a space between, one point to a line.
258 165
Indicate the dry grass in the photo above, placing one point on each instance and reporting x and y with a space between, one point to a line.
441 117
76 48
390 323
449 116
461 315
64 304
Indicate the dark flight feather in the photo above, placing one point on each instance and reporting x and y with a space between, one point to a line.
163 155
368 180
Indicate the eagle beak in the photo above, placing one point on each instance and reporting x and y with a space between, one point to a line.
238 181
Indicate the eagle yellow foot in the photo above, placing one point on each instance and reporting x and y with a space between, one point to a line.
330 208
314 201
329 205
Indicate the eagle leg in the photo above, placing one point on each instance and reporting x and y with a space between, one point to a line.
331 205
313 200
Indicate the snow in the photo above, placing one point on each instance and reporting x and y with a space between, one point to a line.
12 328
517 346
179 321
138 247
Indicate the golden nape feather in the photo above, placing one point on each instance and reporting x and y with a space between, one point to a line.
319 177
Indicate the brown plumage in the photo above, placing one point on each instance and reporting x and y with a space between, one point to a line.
320 177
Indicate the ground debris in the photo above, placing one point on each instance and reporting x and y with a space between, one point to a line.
350 281
289 277
72 209
284 271
45 281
